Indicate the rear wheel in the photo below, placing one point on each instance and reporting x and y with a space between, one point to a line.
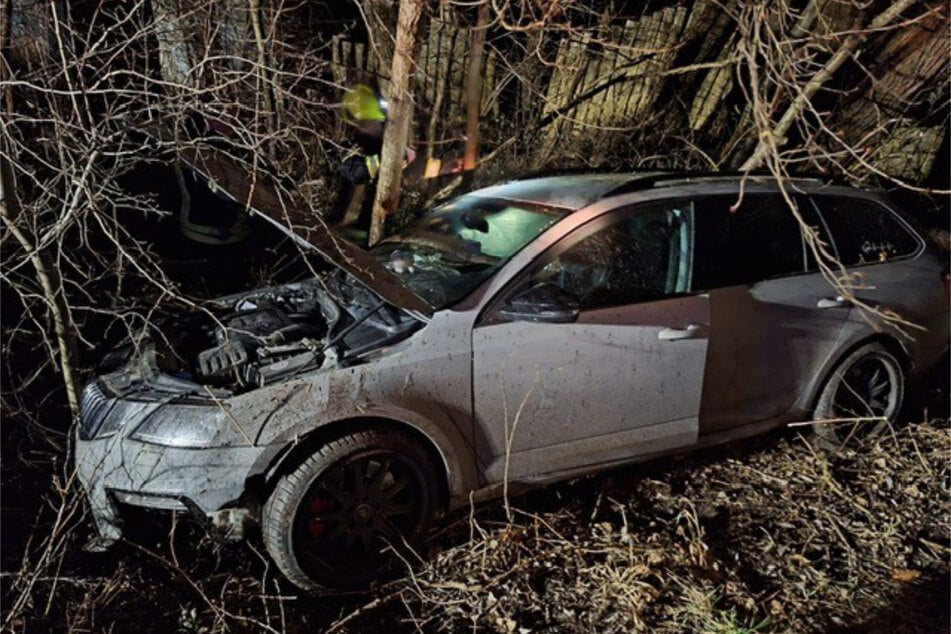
340 518
861 398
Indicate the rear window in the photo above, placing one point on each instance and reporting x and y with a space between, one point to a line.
864 232
757 241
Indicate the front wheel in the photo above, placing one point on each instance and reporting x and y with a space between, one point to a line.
861 397
339 519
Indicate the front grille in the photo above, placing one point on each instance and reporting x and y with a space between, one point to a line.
95 407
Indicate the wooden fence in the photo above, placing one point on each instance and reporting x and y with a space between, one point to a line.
612 78
600 80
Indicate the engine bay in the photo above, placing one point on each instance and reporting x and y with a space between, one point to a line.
260 337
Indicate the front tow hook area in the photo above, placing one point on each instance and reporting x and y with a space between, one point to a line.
105 516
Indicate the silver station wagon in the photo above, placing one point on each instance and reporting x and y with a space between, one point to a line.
517 335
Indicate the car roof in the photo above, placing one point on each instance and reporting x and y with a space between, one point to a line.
567 191
573 191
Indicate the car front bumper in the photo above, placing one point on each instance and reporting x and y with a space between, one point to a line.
121 470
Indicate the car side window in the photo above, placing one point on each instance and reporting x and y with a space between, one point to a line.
756 241
864 232
639 255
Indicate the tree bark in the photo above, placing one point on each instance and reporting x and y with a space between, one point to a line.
474 89
401 115
771 139
380 16
174 56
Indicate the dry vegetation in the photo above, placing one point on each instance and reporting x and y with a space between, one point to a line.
766 535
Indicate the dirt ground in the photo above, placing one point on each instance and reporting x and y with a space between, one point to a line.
764 535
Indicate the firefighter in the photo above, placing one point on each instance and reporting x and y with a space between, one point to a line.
365 110
208 215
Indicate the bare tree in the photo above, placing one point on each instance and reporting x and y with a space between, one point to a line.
399 120
474 83
772 137
96 94
85 115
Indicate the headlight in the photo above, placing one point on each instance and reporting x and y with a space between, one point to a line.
190 426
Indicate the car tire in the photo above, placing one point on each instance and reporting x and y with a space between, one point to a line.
351 511
868 384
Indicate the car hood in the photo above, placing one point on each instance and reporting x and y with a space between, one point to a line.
257 192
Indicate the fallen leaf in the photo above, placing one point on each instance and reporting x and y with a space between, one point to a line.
905 575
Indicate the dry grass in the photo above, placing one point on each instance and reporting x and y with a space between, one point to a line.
766 535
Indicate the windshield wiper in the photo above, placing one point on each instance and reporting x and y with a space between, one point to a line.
470 258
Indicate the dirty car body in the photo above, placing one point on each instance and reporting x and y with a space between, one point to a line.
518 335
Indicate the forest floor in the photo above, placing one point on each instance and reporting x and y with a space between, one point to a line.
763 535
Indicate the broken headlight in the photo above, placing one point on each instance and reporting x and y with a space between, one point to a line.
191 427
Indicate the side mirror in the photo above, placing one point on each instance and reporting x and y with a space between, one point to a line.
547 303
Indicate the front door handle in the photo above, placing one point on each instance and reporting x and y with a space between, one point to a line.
833 302
675 334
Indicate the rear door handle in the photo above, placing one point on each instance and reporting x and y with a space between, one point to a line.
675 334
833 302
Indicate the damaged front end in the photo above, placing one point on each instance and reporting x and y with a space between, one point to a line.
254 339
157 428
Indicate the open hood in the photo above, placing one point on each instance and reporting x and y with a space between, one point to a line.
256 191
255 338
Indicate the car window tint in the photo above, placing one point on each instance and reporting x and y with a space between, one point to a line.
865 232
812 219
756 241
639 257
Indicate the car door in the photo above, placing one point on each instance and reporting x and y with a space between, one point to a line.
774 319
891 271
879 249
595 353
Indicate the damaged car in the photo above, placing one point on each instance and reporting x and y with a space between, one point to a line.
518 335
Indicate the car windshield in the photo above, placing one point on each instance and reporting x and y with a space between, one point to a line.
447 252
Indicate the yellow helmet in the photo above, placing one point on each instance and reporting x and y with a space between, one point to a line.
362 103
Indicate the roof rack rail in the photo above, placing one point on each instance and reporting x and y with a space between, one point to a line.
677 177
568 171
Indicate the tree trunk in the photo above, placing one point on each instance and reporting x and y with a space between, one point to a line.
263 87
772 139
401 115
47 274
174 56
474 89
380 16
6 15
